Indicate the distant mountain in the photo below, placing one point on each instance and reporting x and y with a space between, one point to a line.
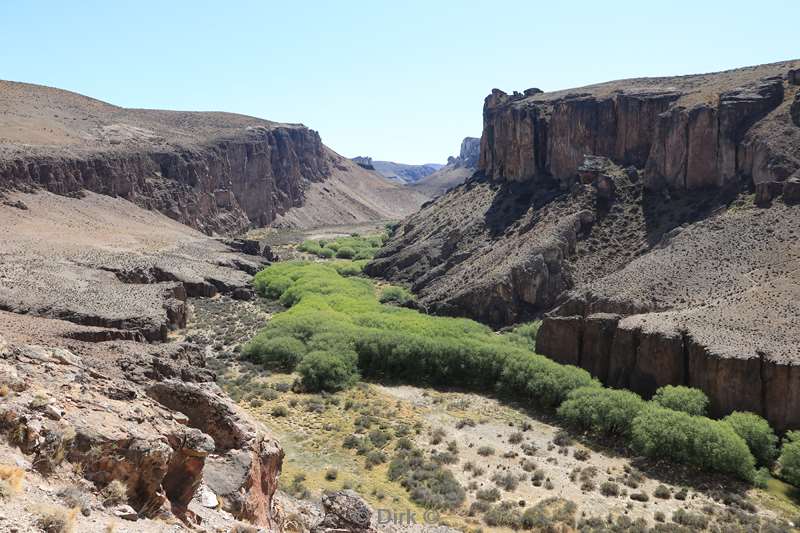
399 172
455 172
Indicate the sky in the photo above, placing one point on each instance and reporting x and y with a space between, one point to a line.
400 80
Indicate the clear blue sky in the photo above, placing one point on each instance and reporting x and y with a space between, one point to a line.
396 80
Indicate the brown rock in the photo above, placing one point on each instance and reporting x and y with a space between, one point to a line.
560 338
345 511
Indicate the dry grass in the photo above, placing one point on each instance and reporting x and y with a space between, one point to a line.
4 390
115 493
55 518
10 481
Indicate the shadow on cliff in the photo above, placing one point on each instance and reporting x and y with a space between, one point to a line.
513 199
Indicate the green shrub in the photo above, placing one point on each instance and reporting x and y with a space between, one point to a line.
602 410
396 295
345 252
321 370
326 253
504 514
758 435
790 458
524 334
711 444
694 521
680 398
277 352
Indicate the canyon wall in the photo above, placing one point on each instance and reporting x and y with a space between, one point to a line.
223 187
685 133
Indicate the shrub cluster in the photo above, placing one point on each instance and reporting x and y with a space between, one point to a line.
427 482
680 398
676 435
606 411
790 458
352 247
336 330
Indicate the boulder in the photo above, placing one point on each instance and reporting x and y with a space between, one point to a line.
345 511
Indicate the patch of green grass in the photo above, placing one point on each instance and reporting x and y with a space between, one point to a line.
352 247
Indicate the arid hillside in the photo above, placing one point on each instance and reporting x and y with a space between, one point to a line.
658 217
217 172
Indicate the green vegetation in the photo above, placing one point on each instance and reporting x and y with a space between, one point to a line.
396 295
346 332
790 458
352 247
709 444
758 435
606 411
680 398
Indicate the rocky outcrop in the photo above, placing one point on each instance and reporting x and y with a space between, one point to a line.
216 172
454 173
345 511
224 187
684 133
144 444
244 472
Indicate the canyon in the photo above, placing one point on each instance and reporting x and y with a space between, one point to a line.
652 224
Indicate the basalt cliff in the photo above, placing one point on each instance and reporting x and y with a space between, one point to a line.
652 222
217 172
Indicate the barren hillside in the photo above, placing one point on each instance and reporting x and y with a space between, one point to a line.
217 172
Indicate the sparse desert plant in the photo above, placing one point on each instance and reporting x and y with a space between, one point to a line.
280 411
562 438
662 492
428 484
548 513
504 514
11 478
680 398
55 518
331 474
115 493
582 454
516 437
488 495
485 451
695 521
609 488
465 422
506 480
639 496
659 516
438 435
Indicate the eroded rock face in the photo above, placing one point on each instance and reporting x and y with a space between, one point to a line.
244 471
162 441
680 139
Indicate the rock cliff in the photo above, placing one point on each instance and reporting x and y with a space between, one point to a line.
217 172
685 132
455 172
653 220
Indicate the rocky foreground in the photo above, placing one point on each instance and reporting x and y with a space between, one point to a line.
657 218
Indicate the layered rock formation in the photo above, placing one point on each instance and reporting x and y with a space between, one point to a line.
628 207
686 132
217 172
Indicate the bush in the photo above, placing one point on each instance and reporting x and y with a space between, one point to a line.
789 460
662 492
711 444
278 352
504 514
607 411
488 495
485 451
396 295
331 474
680 398
345 252
758 435
695 521
321 370
609 488
428 484
55 519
